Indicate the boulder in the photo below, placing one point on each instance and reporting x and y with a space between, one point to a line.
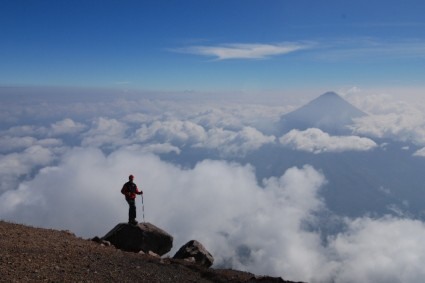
194 249
142 237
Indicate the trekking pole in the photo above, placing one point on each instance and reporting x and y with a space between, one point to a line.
143 210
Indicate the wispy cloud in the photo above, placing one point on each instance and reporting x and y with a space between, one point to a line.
333 50
244 50
347 49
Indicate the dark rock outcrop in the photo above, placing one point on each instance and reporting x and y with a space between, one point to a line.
194 249
142 237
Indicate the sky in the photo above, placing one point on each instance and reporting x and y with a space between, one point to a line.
214 46
92 91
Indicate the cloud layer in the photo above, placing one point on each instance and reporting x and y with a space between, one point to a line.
262 228
78 155
390 119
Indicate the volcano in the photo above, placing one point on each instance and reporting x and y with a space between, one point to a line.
329 112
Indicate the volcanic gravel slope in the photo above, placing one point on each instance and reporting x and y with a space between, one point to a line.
36 254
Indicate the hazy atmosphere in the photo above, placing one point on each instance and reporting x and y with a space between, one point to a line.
286 136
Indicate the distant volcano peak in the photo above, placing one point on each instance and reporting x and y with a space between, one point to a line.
328 112
330 94
329 97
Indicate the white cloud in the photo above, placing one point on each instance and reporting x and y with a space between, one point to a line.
156 148
8 143
51 198
389 118
420 152
231 143
260 228
50 142
175 131
379 250
181 133
316 141
137 118
402 127
66 127
219 118
14 166
26 131
245 51
235 117
18 162
105 132
216 202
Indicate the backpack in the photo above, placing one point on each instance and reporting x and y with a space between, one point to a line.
128 188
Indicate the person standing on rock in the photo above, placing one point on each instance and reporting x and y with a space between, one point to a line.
130 191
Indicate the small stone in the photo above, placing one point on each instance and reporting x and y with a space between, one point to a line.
190 259
151 253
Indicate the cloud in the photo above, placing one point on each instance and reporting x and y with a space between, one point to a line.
407 127
244 50
220 129
262 227
8 143
51 198
231 143
17 165
387 249
396 120
355 48
161 148
26 131
66 127
187 133
179 132
316 141
235 117
420 152
157 148
272 226
218 203
105 132
334 50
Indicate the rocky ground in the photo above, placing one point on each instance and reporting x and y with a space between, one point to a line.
35 254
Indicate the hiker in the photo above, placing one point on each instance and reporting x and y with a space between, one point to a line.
130 190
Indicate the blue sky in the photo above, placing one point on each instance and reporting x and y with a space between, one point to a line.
212 46
246 63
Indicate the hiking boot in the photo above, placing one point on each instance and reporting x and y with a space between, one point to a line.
133 222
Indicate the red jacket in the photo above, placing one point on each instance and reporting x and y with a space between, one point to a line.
130 190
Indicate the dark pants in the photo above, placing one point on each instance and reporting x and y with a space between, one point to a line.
132 209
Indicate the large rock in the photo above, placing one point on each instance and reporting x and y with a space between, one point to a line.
194 249
142 237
